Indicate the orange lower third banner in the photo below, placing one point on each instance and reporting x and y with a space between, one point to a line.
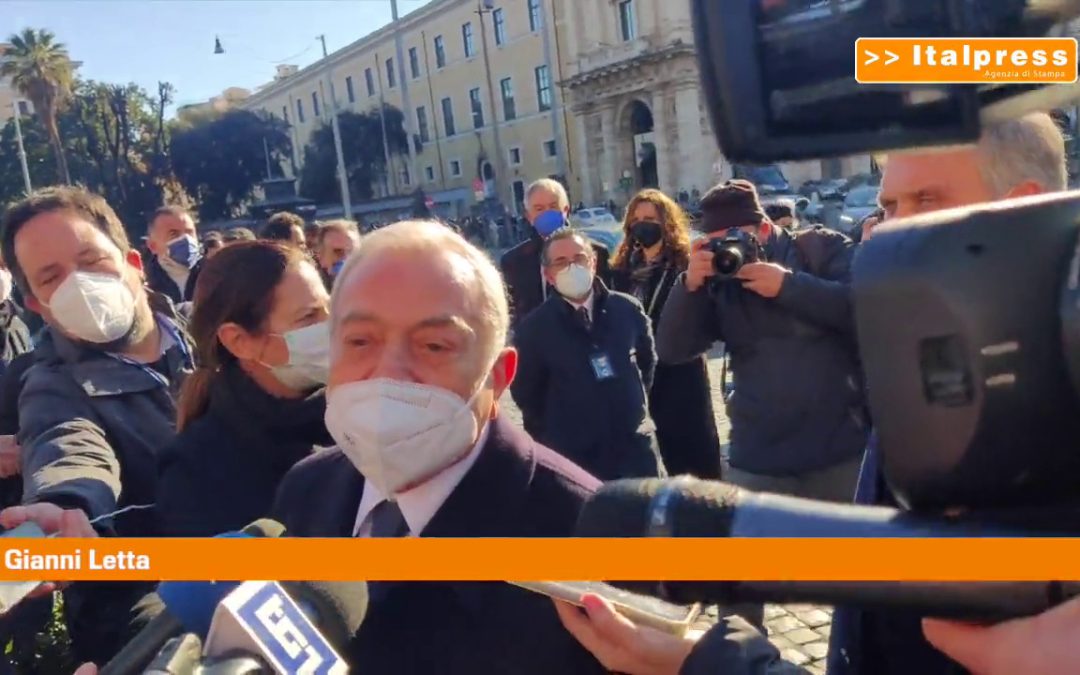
541 559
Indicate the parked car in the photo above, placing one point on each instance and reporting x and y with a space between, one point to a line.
607 237
767 178
594 217
859 203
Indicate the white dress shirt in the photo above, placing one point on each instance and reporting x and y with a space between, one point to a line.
420 504
588 304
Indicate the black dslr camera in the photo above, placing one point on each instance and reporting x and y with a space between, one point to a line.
734 250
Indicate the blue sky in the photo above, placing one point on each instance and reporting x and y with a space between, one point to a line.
144 41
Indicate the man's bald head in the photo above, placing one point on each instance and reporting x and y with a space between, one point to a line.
1015 158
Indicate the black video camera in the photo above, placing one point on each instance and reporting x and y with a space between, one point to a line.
730 252
970 344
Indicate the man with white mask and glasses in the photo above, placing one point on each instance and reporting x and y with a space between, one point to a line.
418 361
587 361
98 402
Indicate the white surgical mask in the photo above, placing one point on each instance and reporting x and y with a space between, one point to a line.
5 284
308 366
399 433
574 282
93 307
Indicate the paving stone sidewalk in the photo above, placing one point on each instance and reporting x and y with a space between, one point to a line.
800 632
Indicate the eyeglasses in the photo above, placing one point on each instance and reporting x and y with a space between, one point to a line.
559 264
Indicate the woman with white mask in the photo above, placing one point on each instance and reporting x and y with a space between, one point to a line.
255 405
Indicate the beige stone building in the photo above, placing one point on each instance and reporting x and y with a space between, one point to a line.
231 98
612 105
9 97
450 106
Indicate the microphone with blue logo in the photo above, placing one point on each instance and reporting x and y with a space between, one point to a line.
313 615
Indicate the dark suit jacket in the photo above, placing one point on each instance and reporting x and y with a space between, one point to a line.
521 270
516 488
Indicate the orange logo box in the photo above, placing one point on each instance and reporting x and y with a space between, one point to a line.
965 60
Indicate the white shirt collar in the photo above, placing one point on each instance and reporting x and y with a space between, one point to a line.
420 504
588 304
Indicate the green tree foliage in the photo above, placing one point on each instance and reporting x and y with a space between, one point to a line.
116 140
362 146
39 68
220 159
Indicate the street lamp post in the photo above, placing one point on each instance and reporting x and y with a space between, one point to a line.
500 159
414 175
22 150
556 95
343 178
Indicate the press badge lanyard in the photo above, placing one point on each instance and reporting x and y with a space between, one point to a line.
656 291
178 340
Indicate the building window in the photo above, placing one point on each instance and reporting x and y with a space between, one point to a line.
24 109
543 88
300 110
414 63
627 20
448 116
406 179
422 125
549 150
455 168
506 86
477 108
429 173
391 76
315 103
499 19
285 113
369 78
440 52
515 156
467 41
534 15
349 91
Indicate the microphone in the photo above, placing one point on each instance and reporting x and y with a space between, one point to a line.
261 620
188 607
688 507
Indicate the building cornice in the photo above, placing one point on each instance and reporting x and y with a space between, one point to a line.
618 68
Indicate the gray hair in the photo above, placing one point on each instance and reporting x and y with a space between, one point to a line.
559 235
548 185
429 236
1028 148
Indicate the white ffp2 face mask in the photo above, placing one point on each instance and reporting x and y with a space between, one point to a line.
399 433
308 366
574 282
93 307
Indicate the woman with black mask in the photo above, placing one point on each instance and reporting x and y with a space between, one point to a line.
255 404
654 251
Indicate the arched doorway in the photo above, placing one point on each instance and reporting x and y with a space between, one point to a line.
639 152
487 173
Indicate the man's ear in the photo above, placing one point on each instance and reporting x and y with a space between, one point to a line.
765 231
134 258
504 371
1025 189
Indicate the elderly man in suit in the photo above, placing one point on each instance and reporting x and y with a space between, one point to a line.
419 321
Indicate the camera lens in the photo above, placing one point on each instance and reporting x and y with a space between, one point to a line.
727 261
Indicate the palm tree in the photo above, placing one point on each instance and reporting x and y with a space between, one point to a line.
41 71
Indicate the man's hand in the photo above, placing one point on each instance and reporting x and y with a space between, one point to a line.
701 266
618 644
868 226
765 279
50 518
86 669
1045 644
10 453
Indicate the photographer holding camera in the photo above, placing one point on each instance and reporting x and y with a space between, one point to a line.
781 304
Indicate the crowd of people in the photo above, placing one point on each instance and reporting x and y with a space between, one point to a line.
353 386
